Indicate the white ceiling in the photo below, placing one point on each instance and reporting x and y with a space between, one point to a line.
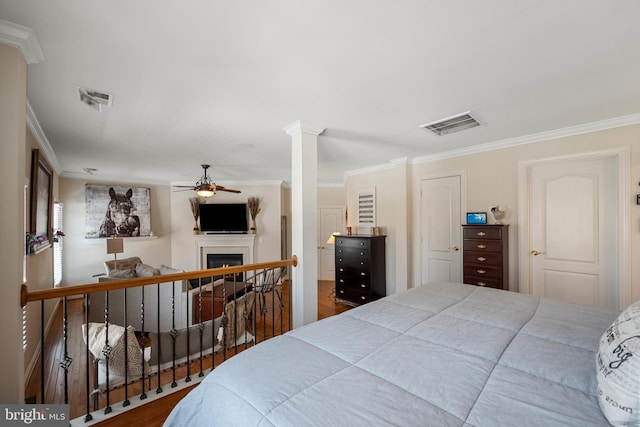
211 81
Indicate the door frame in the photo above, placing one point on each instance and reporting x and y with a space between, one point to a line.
417 224
621 156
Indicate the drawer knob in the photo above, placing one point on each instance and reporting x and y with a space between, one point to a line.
362 285
341 291
362 273
361 262
482 284
480 258
341 280
341 269
479 247
361 243
481 233
482 271
363 297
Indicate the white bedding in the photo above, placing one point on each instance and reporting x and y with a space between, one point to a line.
444 354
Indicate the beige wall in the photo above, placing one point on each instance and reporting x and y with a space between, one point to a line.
39 269
491 178
13 87
332 196
83 258
391 215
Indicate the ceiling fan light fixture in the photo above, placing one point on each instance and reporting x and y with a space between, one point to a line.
204 191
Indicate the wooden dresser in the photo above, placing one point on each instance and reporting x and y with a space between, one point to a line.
360 268
486 255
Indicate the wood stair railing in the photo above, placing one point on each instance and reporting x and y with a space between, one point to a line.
261 321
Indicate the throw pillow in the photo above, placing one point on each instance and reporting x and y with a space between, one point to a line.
618 369
97 336
168 270
144 270
122 274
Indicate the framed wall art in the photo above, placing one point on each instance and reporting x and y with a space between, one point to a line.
117 211
40 228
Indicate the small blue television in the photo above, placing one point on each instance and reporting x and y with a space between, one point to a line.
476 217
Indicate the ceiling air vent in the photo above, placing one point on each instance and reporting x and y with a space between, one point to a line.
95 99
452 124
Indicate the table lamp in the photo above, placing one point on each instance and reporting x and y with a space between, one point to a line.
115 247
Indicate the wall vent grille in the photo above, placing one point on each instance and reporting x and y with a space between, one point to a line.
452 124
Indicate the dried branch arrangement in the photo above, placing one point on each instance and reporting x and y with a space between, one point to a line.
253 203
195 206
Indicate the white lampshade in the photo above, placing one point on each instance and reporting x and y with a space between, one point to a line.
332 238
115 246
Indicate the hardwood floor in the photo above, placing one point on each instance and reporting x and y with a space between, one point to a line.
153 413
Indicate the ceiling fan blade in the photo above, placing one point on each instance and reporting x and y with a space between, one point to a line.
184 186
229 190
184 189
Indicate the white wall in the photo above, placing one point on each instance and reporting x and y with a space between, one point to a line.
267 244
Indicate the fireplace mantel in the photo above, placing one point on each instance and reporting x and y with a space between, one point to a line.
224 244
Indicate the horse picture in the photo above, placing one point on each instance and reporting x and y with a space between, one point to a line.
118 220
117 211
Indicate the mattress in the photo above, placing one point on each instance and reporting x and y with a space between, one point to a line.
443 354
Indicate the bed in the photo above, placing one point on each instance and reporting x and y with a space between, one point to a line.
443 354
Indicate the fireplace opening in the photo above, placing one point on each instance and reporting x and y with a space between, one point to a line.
220 260
226 260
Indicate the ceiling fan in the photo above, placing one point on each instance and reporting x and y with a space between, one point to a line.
205 187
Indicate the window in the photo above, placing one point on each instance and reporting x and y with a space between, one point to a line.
57 244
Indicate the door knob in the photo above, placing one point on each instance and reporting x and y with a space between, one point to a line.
536 253
455 248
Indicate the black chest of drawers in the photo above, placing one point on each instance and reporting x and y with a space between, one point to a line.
360 268
485 255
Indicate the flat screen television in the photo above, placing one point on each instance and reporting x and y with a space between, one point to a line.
224 218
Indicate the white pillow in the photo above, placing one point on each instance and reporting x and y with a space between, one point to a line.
144 270
168 270
618 369
97 335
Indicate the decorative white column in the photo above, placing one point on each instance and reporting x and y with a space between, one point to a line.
304 221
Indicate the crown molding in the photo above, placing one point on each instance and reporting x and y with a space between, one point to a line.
298 127
24 38
34 126
600 125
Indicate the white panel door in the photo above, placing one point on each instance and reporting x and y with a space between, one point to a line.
440 229
573 232
330 220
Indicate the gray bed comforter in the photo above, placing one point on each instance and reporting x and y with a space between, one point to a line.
443 354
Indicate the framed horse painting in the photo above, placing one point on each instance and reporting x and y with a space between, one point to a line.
117 211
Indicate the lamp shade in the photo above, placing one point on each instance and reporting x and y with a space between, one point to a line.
115 246
332 238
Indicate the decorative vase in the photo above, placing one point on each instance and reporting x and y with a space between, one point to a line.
252 229
196 229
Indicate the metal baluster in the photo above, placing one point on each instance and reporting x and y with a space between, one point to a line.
159 389
106 350
42 377
143 395
66 360
201 326
174 332
126 357
88 417
189 321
